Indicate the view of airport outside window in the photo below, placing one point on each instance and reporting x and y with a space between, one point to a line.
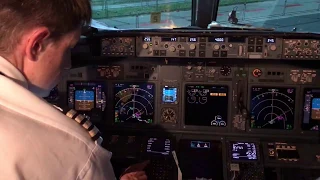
132 14
282 15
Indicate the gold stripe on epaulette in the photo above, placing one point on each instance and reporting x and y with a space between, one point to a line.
79 118
87 124
71 113
94 131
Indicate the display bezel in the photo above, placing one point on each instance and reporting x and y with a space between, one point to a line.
105 88
170 86
205 128
132 125
172 146
274 131
305 132
252 140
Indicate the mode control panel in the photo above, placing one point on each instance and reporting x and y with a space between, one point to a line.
209 47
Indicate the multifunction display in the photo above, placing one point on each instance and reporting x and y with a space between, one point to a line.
311 110
134 103
244 151
272 108
206 105
86 96
160 146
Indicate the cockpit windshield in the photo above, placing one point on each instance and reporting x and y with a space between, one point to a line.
134 14
281 15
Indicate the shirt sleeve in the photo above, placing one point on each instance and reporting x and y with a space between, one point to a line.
98 166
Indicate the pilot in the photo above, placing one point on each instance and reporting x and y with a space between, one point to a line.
36 140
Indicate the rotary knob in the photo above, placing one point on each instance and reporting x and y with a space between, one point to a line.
145 46
216 47
273 47
256 73
192 46
172 49
199 68
294 77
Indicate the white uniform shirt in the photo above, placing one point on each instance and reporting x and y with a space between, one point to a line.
39 142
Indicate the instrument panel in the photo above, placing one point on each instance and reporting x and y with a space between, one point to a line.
216 105
192 95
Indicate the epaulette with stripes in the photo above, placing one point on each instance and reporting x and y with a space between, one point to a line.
84 121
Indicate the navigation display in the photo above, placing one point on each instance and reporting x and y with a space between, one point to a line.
86 96
169 95
311 110
160 146
134 103
206 105
200 159
272 108
244 151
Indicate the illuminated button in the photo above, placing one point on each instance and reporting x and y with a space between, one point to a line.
156 52
259 49
192 53
251 41
224 54
202 46
215 54
182 53
202 54
250 48
163 52
259 41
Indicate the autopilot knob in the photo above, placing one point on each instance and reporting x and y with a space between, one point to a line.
192 46
172 49
145 46
273 47
309 78
115 73
216 47
199 68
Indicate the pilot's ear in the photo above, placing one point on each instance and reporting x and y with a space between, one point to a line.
36 42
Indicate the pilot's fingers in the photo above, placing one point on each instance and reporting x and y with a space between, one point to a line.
140 175
137 167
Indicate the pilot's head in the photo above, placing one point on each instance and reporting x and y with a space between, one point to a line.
36 36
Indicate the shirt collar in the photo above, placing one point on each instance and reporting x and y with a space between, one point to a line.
12 72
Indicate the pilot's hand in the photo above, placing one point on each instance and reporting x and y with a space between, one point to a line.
135 172
139 175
